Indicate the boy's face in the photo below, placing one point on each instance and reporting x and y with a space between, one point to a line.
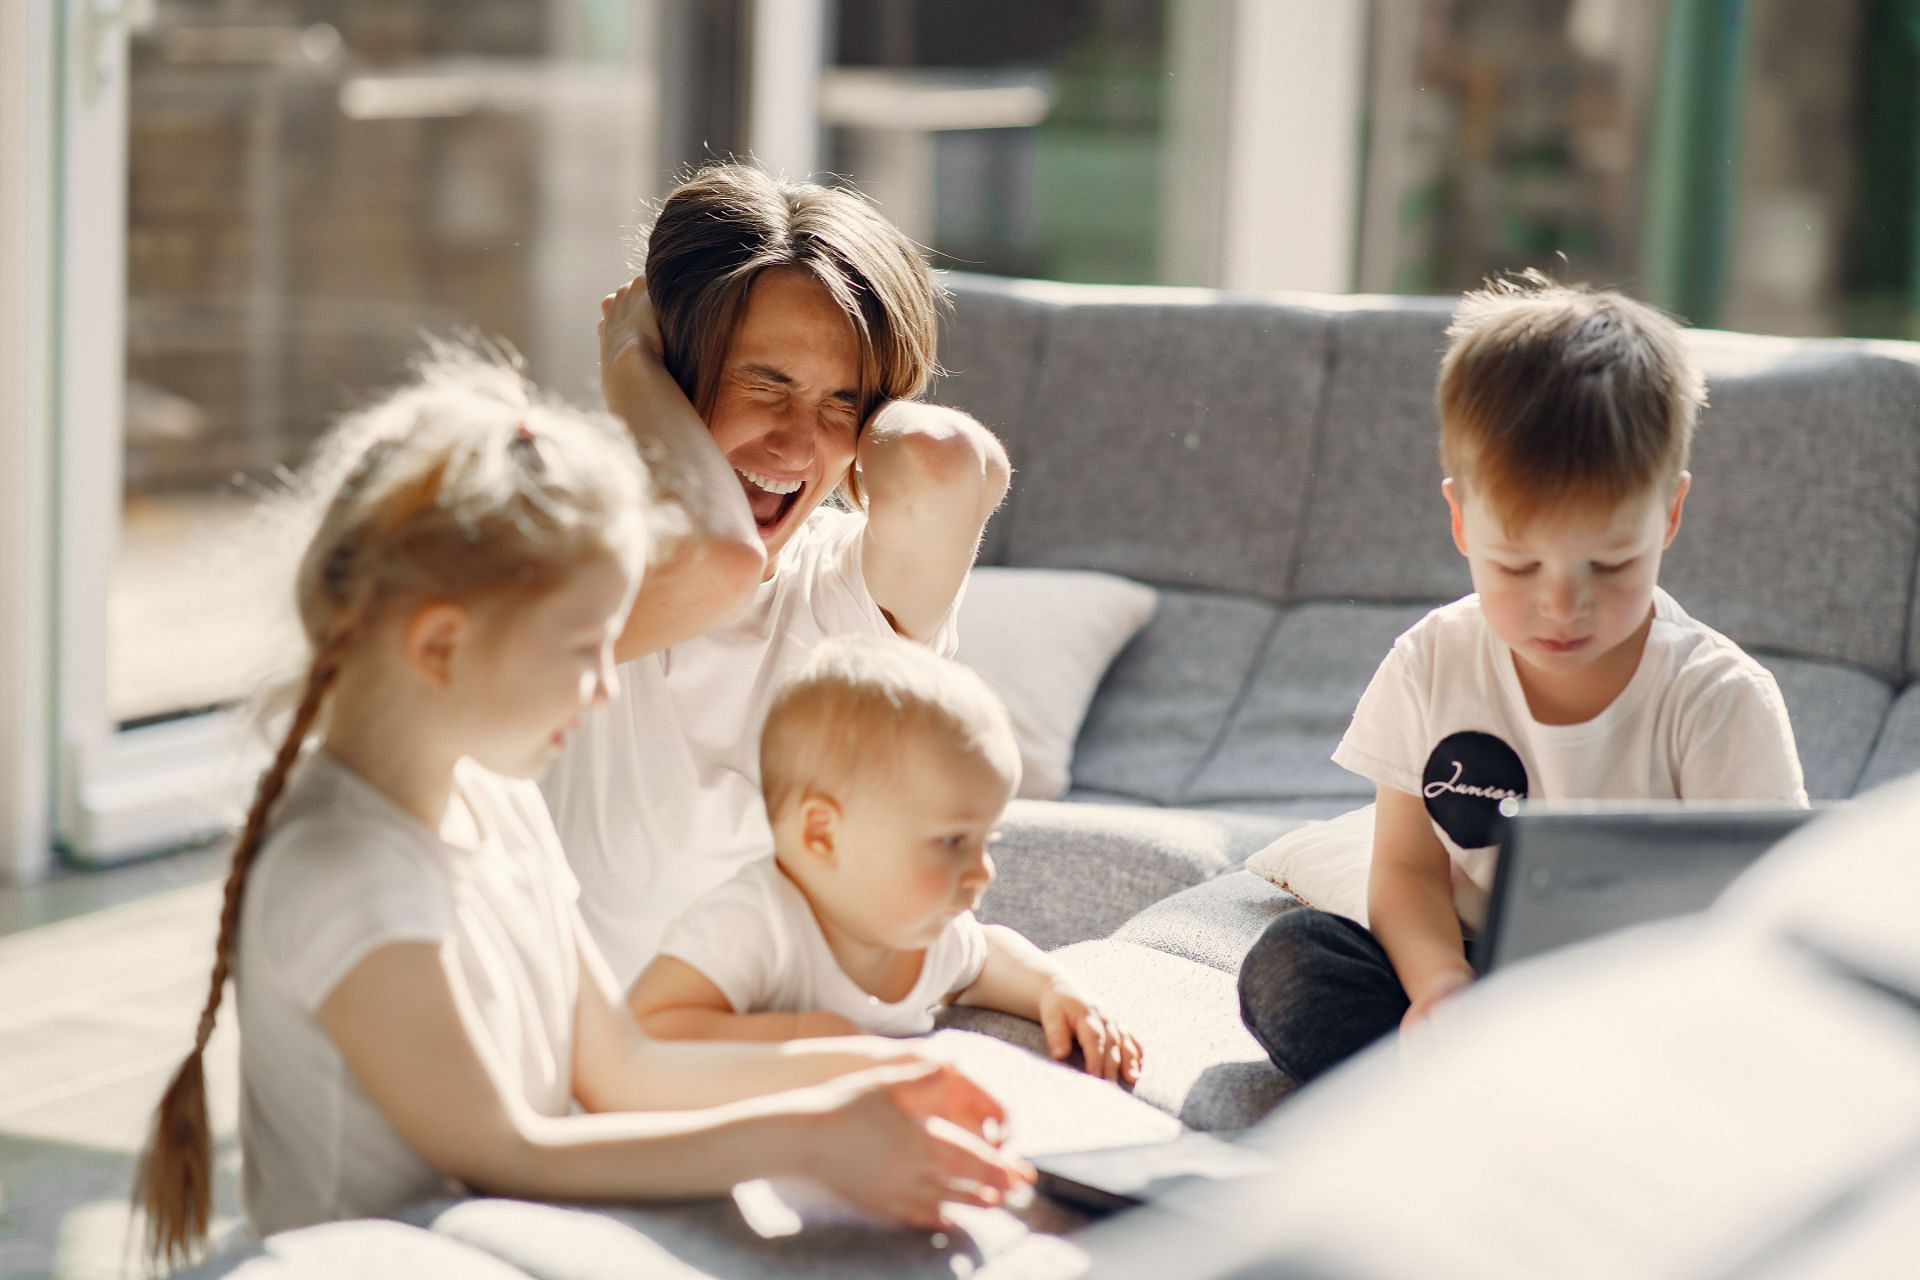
894 860
1569 590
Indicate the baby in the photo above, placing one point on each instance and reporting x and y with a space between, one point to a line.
884 769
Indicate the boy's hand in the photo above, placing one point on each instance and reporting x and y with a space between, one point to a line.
1442 987
1068 1015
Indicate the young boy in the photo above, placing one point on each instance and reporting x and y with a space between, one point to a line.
884 769
1565 421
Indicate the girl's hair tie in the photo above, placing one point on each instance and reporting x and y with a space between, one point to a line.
524 443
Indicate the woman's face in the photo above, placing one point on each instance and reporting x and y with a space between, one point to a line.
786 415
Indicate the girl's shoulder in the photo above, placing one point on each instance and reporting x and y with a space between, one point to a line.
334 840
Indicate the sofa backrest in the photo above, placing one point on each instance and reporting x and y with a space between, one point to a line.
1283 447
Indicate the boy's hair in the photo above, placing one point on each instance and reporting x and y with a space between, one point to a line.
1554 394
849 714
719 229
465 485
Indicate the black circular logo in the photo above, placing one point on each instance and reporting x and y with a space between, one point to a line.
1467 777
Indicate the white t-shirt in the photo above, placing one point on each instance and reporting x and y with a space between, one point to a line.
345 870
756 938
657 796
1445 719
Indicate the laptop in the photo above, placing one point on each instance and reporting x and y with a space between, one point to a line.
1571 872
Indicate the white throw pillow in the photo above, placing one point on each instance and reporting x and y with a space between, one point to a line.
1324 864
1043 638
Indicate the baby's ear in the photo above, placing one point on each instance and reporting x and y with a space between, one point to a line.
820 826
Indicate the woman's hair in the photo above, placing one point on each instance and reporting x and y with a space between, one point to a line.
1555 394
719 229
849 713
464 485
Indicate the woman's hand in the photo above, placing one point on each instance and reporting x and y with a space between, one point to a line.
1069 1015
904 1140
627 323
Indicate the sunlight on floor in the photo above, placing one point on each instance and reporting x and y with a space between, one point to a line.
95 1013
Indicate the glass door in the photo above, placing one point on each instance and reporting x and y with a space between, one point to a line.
264 209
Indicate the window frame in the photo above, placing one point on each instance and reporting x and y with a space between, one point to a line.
118 793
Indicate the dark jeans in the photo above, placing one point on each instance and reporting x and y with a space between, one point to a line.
1317 989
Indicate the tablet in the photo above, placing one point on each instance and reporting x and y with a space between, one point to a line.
1111 1178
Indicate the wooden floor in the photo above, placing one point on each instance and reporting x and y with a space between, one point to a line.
95 1010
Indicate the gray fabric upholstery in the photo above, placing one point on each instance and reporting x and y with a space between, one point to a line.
1804 521
1376 526
1281 736
1836 713
1897 751
992 362
1212 923
1170 442
1199 1063
1068 872
1912 646
1167 698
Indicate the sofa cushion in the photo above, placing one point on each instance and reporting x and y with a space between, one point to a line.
1168 696
1376 525
992 342
1804 520
1198 1062
1897 752
1044 638
1836 712
1213 923
1280 736
1068 872
1170 440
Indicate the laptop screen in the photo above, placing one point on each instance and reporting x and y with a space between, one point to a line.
1570 873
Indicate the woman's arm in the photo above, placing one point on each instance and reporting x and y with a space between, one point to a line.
672 1000
866 1135
1410 904
705 577
932 477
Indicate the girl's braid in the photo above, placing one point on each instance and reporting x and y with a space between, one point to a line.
175 1184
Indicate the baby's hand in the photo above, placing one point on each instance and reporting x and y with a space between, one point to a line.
1068 1014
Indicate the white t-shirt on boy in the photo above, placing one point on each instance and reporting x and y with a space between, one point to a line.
345 870
657 796
756 938
1445 719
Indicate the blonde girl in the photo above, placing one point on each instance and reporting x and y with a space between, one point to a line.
419 1002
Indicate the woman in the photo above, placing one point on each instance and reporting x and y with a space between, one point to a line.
765 361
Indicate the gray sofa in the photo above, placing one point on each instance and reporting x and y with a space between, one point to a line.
1268 463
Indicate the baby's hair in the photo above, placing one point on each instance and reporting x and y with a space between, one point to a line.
1557 394
463 485
855 705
